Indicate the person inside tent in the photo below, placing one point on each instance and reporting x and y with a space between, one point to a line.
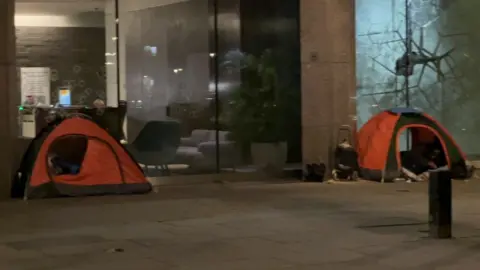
59 166
435 154
415 164
66 155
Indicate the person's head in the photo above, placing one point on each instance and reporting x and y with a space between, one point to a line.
99 104
30 100
51 117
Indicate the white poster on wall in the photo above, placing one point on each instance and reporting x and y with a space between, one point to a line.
35 85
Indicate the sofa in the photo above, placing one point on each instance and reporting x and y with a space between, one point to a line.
199 150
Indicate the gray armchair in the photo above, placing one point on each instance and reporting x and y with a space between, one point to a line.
156 144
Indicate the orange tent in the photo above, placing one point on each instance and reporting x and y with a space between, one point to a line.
101 164
378 143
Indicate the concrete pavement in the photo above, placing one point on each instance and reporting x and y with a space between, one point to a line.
242 226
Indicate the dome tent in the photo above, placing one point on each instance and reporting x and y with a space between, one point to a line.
100 164
378 143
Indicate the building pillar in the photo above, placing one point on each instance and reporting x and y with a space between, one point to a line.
327 34
9 97
111 54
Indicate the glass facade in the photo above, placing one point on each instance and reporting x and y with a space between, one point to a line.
68 43
213 86
442 42
66 56
206 86
193 76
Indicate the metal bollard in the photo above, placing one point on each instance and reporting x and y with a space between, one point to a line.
440 204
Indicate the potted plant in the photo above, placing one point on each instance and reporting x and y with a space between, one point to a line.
256 112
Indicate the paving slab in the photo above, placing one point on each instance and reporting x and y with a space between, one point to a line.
302 226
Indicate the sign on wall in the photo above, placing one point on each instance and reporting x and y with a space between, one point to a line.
35 85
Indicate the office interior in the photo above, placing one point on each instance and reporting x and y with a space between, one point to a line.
151 62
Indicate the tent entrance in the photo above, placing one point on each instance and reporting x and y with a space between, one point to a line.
66 154
425 149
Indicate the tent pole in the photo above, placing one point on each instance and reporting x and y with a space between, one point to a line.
408 49
408 45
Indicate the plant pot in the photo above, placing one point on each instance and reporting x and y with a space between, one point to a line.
271 156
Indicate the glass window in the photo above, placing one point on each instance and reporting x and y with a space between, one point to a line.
439 77
207 86
166 70
63 46
66 57
259 85
211 86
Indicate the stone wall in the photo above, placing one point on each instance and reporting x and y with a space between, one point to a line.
76 56
328 74
8 98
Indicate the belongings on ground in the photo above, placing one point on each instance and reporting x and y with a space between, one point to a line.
315 172
346 162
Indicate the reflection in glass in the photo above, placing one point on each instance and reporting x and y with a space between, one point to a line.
167 79
261 109
185 63
71 44
443 70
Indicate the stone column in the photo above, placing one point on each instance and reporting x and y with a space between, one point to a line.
328 74
8 97
111 54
